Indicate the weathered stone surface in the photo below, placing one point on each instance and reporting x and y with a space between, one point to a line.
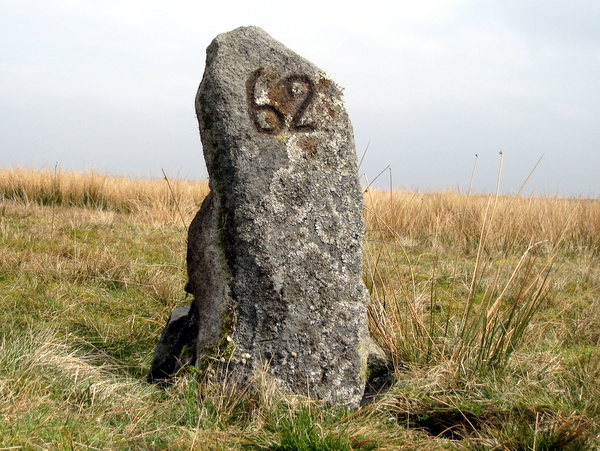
274 255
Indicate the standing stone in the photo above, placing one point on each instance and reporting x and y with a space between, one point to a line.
274 254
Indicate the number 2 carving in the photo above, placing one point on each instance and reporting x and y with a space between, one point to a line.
290 105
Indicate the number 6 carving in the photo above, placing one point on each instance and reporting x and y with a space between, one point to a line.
274 118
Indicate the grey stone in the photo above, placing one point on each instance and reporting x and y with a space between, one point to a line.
379 370
275 252
176 347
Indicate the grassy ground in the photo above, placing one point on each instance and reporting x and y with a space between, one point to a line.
488 306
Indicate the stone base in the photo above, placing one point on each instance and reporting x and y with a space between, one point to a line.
173 352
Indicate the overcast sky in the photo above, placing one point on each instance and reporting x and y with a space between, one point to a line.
110 85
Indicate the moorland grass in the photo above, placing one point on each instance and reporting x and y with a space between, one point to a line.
488 306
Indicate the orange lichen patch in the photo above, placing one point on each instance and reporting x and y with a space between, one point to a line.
329 93
308 145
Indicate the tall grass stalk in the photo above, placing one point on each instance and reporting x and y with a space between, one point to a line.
479 315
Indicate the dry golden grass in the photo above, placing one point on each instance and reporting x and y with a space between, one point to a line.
411 217
459 219
165 200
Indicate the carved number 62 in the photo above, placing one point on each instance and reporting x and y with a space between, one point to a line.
274 119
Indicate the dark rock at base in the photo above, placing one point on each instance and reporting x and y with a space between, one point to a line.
176 347
379 370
